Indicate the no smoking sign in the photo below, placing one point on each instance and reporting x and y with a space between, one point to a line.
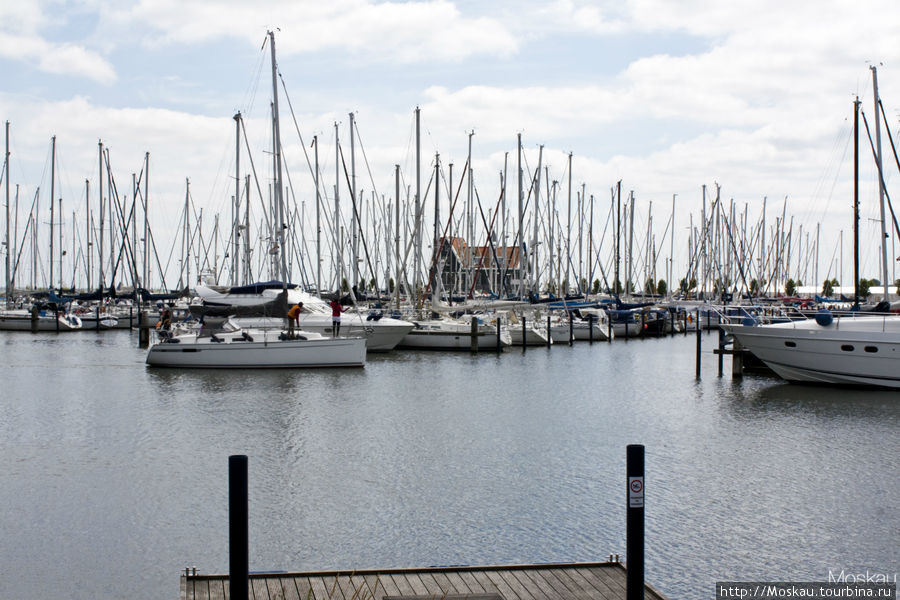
636 492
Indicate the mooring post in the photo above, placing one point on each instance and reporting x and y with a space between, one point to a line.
143 329
474 333
238 527
549 337
97 317
609 329
35 316
737 359
634 532
721 350
56 312
524 333
499 344
571 329
698 343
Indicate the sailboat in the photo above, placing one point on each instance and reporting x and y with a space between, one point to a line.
233 346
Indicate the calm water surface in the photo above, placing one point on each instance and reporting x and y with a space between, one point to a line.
115 476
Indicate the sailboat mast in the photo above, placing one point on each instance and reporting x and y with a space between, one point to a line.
856 203
100 195
279 199
318 221
52 199
7 290
236 202
884 235
397 236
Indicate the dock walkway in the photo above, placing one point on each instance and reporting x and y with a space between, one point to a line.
575 581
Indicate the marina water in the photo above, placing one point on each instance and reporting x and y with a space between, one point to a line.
115 475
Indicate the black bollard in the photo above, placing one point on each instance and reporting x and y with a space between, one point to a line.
634 531
698 343
238 537
524 333
721 350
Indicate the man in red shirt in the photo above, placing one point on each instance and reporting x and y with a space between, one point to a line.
336 310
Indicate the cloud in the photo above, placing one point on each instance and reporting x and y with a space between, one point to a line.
59 59
406 32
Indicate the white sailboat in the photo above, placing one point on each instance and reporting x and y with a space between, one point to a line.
382 332
260 348
256 348
23 320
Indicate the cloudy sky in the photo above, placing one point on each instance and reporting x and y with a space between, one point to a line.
665 96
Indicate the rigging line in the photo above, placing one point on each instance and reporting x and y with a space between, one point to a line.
365 157
312 170
362 236
255 178
881 177
437 251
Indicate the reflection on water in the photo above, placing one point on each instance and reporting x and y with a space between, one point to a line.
429 458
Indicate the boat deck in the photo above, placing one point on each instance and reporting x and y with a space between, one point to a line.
578 581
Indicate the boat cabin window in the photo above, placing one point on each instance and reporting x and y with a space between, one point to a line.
871 348
790 344
847 348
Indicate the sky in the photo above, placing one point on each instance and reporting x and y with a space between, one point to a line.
755 97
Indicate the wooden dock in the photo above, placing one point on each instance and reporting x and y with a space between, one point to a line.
576 581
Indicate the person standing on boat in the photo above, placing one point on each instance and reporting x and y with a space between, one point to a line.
294 318
336 310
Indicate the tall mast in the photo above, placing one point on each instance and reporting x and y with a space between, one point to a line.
236 201
417 215
568 231
436 270
318 221
339 251
671 283
397 236
7 290
856 203
100 194
354 225
884 235
52 199
521 233
535 275
279 199
146 279
87 233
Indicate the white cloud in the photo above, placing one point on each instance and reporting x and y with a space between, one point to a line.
406 32
21 40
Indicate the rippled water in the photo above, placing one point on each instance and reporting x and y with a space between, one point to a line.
115 476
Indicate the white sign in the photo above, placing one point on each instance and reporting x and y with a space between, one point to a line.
636 492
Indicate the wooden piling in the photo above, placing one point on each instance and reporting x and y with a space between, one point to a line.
474 334
737 360
698 343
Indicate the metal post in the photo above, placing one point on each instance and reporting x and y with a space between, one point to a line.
474 334
609 329
571 330
698 343
634 540
499 344
721 350
590 329
238 538
549 337
524 333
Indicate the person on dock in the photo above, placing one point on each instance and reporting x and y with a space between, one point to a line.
336 310
294 318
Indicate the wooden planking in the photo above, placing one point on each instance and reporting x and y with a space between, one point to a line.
575 581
